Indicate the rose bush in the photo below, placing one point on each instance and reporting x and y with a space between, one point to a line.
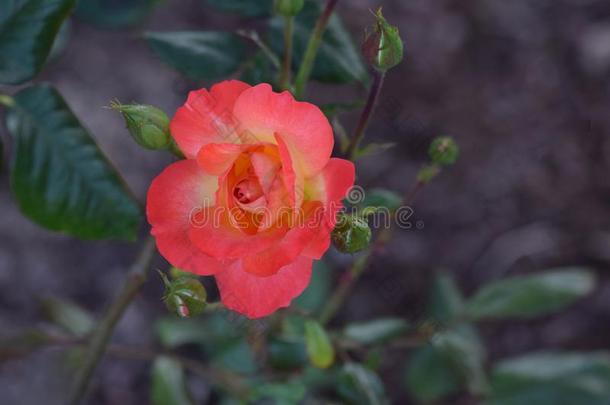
255 199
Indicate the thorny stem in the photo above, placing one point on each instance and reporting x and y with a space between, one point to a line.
312 49
287 63
101 335
361 263
366 114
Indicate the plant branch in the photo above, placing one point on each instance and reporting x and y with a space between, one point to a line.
350 278
287 64
254 37
366 114
101 335
312 49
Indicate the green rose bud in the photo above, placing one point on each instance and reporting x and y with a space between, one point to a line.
184 296
148 125
383 47
443 151
351 234
288 8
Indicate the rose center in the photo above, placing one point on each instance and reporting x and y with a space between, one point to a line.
247 191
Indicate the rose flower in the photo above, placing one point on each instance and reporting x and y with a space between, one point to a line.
256 198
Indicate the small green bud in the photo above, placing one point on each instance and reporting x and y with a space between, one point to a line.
288 8
351 234
383 47
427 173
444 151
148 125
185 296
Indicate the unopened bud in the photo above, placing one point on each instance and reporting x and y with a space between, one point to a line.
148 125
443 151
351 234
185 296
288 8
383 47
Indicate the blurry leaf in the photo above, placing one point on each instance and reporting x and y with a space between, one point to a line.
379 197
61 40
168 386
338 59
68 315
27 33
314 297
333 109
287 353
530 296
430 375
359 385
373 358
236 356
289 393
247 8
446 301
319 347
60 178
115 13
174 332
374 149
294 326
199 55
463 349
259 70
552 378
376 331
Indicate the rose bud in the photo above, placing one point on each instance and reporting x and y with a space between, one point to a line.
351 234
382 47
443 151
184 296
148 125
288 8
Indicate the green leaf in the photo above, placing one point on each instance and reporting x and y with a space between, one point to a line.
446 302
338 59
248 8
374 149
174 332
287 353
376 331
258 70
115 13
359 385
60 178
68 315
319 347
290 393
552 378
236 356
430 375
379 197
464 351
530 296
314 297
168 386
208 55
27 33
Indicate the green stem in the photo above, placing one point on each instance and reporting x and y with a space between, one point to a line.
367 113
339 296
101 335
312 49
254 37
287 64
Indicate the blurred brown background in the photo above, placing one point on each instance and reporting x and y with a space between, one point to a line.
523 85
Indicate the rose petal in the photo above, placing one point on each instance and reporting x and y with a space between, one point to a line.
207 117
217 158
304 128
256 297
172 198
